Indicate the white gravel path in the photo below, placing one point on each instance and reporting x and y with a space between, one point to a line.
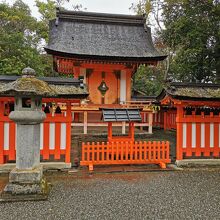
144 195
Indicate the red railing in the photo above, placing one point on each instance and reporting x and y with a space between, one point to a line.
125 153
198 135
158 119
170 120
165 119
7 139
55 138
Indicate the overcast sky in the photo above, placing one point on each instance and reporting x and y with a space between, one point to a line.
109 6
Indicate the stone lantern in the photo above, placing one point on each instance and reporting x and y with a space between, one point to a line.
26 180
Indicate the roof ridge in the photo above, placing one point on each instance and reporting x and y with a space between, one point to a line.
181 84
100 17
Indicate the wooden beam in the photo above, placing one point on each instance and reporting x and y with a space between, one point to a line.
123 127
150 121
85 120
179 133
109 131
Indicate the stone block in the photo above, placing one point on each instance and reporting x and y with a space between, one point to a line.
28 146
198 163
23 189
26 176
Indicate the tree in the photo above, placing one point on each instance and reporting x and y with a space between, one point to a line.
48 12
19 40
189 32
192 32
148 80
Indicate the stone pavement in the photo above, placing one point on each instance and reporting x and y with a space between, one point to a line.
188 194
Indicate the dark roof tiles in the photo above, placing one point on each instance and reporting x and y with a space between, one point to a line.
102 35
119 115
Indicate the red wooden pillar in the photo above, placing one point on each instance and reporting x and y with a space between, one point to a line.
1 109
1 132
131 131
179 133
68 132
77 72
216 137
110 131
76 116
165 120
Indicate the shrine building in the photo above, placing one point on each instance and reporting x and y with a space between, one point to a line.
106 51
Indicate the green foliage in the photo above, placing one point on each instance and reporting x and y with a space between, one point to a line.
19 40
48 12
22 37
193 34
189 32
47 9
148 80
142 7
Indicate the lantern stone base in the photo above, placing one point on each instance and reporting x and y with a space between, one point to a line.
26 185
26 176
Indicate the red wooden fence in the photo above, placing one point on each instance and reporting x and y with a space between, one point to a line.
55 138
197 135
165 119
7 139
158 119
170 119
125 153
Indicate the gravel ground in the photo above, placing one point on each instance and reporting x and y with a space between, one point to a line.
190 194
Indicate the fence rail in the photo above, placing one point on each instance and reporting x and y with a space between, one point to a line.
170 120
198 135
55 138
107 153
165 119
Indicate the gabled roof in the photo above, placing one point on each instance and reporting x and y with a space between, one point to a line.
119 115
192 91
101 36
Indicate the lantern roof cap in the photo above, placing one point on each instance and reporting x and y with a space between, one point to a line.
28 72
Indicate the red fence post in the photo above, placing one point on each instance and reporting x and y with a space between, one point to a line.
1 142
1 132
68 133
165 121
179 133
12 135
46 138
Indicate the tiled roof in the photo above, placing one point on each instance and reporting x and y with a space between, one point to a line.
101 35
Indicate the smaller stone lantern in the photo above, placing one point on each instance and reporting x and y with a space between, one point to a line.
26 180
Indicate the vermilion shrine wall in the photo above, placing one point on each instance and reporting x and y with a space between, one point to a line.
116 76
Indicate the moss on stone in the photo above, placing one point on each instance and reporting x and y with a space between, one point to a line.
33 86
197 92
68 90
29 85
